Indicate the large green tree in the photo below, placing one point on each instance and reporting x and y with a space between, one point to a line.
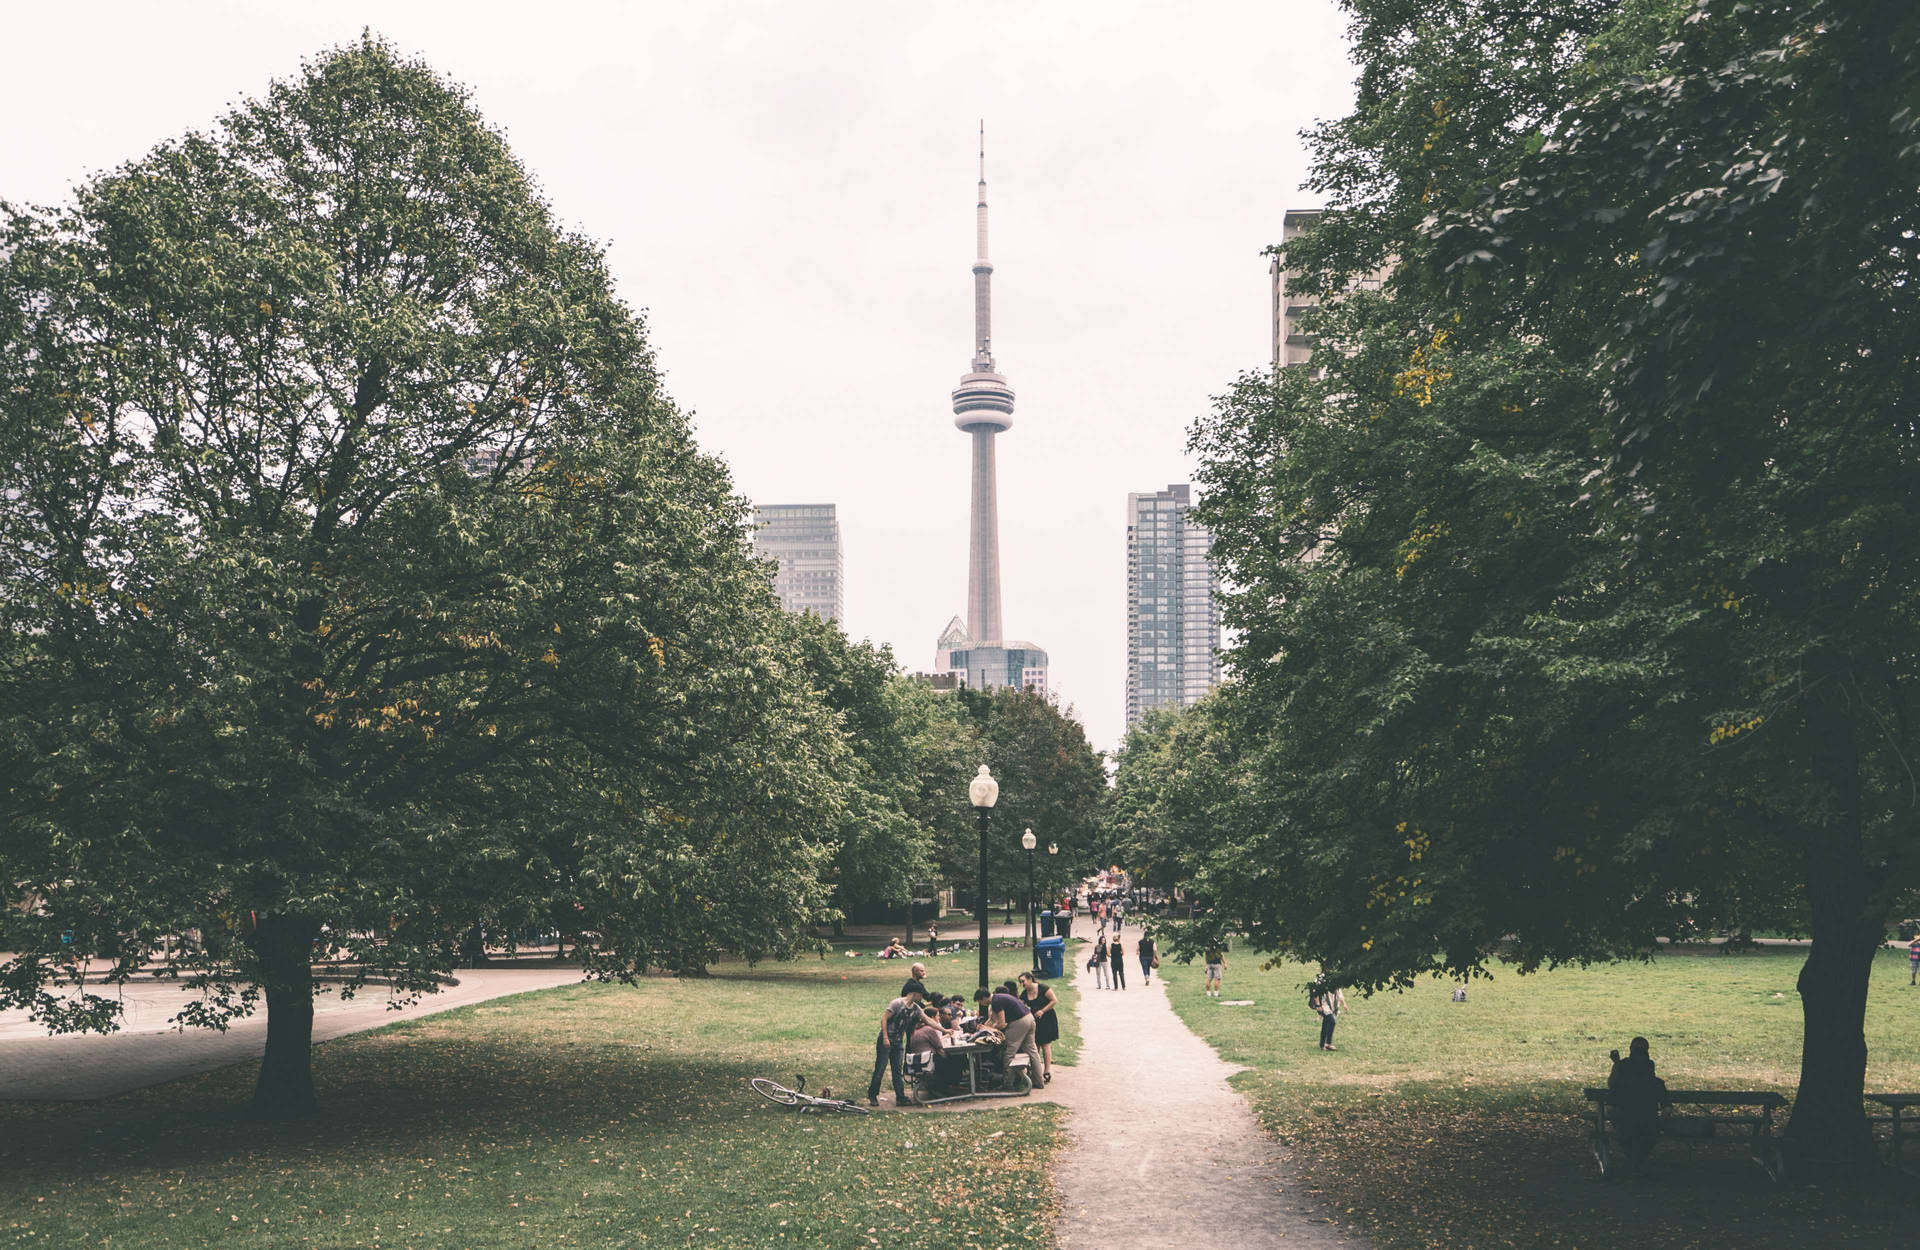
1051 781
361 584
1574 579
907 764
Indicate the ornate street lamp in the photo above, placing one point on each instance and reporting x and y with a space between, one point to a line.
983 791
1027 840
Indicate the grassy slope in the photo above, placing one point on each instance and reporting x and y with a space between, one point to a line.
585 1116
1459 1124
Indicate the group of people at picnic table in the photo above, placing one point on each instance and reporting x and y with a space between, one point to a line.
1018 1018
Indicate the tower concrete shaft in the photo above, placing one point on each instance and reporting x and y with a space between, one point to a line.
983 407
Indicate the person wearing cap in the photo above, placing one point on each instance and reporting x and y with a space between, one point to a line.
897 1023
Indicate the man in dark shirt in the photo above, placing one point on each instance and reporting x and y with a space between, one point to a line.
1636 1094
1008 1014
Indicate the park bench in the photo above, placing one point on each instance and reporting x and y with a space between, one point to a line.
1729 1112
1902 1118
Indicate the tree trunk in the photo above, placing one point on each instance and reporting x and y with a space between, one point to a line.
284 945
1829 1134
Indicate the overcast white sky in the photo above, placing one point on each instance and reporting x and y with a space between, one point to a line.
788 191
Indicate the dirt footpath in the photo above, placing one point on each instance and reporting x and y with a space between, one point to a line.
1161 1152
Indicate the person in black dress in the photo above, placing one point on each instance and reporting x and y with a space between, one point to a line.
1044 1004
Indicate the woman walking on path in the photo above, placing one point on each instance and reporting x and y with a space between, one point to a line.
1117 962
1041 1001
1329 1003
1148 958
1098 962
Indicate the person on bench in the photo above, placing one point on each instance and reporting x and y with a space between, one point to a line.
1636 1095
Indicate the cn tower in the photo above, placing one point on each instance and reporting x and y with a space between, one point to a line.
983 407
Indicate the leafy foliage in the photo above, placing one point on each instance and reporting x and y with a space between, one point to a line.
1572 576
1051 781
361 584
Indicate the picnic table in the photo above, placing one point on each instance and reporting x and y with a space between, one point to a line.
1897 1103
922 1074
1762 1145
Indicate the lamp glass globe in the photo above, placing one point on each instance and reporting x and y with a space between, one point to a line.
983 790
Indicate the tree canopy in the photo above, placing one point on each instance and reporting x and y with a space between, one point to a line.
1051 781
360 583
1573 577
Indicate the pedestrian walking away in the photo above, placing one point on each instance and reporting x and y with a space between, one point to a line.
1216 959
1149 958
1327 1003
1098 963
1913 960
1117 962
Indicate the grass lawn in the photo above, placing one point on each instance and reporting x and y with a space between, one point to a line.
1459 1125
590 1115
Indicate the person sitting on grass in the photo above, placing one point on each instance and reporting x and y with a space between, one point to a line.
894 950
1636 1095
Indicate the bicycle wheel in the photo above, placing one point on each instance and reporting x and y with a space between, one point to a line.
774 1091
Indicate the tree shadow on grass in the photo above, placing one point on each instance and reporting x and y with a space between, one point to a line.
1447 1167
383 1094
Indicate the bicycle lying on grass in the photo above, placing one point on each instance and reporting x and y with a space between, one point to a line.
774 1091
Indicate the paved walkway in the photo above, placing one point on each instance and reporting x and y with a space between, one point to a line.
82 1067
1163 1153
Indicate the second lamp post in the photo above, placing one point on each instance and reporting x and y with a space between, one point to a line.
1027 840
982 792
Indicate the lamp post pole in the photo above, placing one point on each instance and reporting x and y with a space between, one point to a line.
1062 920
982 792
1027 840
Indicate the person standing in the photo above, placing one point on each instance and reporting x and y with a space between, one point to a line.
1913 960
1119 913
1216 960
1149 956
1328 1003
1117 962
1008 1014
897 1023
1098 962
1042 1001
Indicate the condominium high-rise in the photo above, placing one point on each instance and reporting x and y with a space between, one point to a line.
983 409
1292 345
803 539
1173 614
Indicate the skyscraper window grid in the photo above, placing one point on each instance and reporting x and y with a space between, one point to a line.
803 541
1173 622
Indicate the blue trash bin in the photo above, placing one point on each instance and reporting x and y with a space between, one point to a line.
1046 924
1053 956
